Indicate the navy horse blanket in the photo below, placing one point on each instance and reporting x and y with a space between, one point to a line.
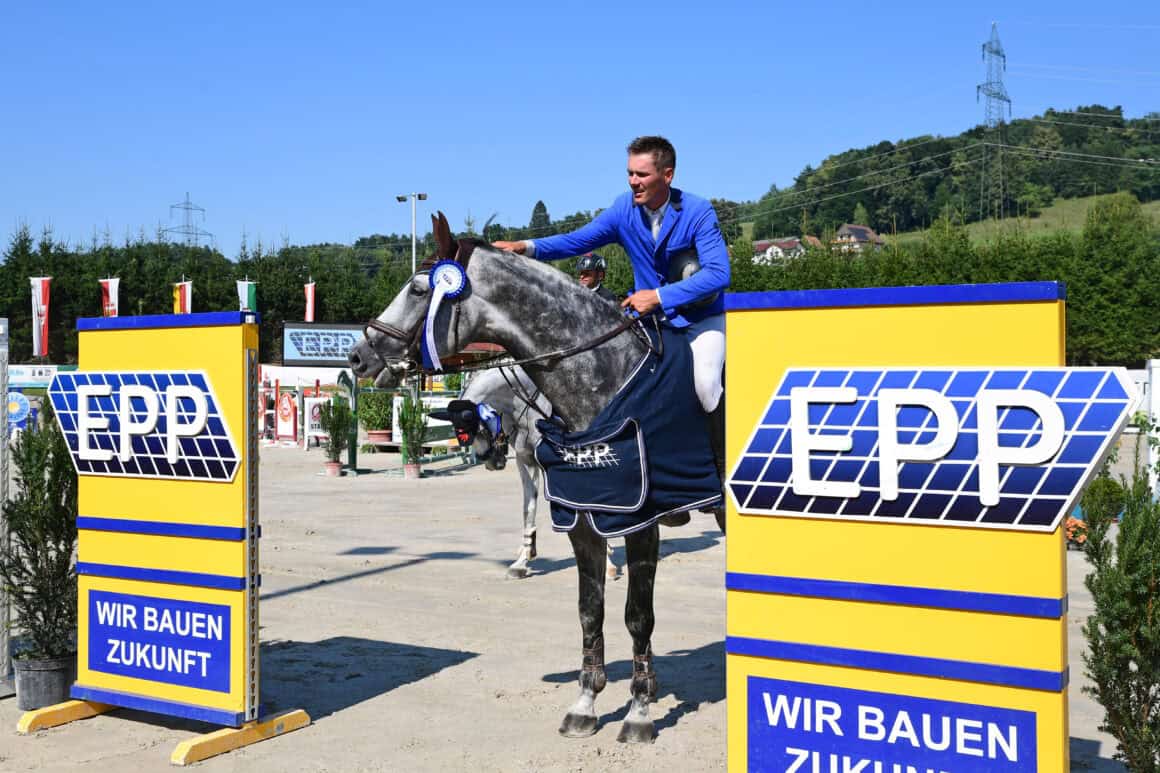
645 456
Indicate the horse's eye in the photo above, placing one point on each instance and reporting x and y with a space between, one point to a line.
419 285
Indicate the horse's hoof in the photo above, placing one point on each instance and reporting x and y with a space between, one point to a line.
637 732
578 726
517 572
719 514
675 519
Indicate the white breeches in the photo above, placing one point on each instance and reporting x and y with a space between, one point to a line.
707 340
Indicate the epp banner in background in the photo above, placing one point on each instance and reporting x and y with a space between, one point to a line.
319 344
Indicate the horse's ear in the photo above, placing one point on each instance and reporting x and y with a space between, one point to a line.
442 230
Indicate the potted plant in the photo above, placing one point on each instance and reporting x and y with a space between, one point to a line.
453 382
374 413
336 422
413 425
37 567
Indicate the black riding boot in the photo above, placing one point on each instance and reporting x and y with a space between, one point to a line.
717 441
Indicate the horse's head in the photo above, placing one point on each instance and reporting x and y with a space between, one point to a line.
480 426
397 341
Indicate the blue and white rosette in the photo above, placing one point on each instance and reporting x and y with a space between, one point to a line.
490 418
448 280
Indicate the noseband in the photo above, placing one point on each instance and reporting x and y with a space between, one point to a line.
413 338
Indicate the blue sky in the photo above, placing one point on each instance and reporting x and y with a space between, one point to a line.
304 120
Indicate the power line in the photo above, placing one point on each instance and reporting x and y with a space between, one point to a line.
805 204
1046 76
1087 69
1095 126
188 229
1083 25
996 93
1146 161
812 189
897 149
1034 153
1119 116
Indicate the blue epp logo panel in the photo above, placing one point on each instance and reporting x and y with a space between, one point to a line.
208 455
1093 404
319 345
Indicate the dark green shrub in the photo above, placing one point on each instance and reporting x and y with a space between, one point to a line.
336 423
413 425
374 410
37 567
453 382
1123 657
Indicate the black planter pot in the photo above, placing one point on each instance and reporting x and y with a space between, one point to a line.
44 682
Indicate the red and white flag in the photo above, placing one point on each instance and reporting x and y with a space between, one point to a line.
109 296
309 287
183 297
40 293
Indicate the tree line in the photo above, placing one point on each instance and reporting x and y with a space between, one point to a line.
1015 169
1111 268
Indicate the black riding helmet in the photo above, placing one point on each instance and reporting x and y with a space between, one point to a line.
591 262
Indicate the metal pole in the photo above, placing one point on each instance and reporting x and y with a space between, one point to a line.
5 612
414 251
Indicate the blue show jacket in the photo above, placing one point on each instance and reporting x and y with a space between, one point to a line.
689 222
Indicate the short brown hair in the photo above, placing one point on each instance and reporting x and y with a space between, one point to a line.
663 153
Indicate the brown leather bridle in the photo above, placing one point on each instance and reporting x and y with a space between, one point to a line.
413 337
412 358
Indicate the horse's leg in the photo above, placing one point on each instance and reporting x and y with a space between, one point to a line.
642 548
588 546
528 475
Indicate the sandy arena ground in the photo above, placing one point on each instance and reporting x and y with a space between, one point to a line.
386 614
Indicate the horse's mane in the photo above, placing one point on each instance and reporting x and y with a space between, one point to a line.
561 283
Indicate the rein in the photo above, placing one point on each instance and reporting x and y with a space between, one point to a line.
413 337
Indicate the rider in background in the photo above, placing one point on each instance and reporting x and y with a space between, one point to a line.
590 270
654 222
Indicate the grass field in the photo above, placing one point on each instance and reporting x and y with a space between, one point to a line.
1063 215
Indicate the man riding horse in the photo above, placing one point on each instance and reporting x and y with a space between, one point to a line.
658 225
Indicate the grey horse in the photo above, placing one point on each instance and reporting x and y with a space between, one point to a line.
538 314
518 414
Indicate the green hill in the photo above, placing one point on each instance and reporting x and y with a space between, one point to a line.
1063 215
1025 166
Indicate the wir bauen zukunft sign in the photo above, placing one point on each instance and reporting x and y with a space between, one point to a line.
179 642
160 420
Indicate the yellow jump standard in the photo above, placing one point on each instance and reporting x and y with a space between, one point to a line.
900 460
161 419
